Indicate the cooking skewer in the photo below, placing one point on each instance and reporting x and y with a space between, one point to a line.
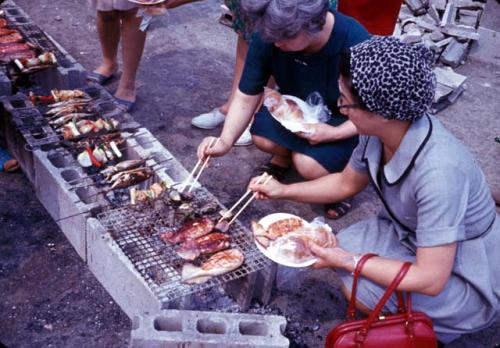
193 182
60 138
264 179
97 174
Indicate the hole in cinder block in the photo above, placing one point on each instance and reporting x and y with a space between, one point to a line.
168 324
21 20
107 107
158 157
18 103
209 326
38 133
13 11
253 329
93 92
71 175
86 194
28 120
64 62
60 160
145 141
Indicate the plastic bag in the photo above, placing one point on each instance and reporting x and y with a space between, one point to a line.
148 13
294 113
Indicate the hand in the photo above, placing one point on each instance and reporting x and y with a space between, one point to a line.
154 10
273 189
219 149
317 133
332 257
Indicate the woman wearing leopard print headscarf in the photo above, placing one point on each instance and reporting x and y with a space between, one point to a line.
438 211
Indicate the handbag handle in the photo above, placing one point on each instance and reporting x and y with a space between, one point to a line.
376 311
351 309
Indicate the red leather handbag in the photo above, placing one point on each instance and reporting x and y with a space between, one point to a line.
406 329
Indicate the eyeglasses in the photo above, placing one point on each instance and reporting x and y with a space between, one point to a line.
340 104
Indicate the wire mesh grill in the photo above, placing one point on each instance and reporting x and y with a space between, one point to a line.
158 263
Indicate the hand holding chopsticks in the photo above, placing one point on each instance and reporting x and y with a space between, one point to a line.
263 179
189 180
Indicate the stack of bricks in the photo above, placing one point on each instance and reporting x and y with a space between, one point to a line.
448 28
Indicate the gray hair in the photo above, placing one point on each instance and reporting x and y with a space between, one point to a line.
275 20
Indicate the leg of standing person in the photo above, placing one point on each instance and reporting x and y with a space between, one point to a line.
108 29
132 47
215 118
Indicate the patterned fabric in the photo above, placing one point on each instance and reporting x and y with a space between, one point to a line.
241 25
393 79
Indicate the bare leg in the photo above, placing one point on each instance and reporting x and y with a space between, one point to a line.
308 167
241 53
281 155
108 29
132 46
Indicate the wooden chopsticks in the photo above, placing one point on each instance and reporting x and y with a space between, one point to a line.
264 179
187 182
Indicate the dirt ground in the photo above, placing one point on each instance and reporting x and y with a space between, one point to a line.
49 298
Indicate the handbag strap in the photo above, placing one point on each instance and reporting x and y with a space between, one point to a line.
351 309
376 311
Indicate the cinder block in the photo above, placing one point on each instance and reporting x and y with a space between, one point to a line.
16 144
194 329
117 274
57 186
5 84
255 286
167 166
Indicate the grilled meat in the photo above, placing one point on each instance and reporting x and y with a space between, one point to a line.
122 166
191 230
218 264
7 31
208 244
131 177
275 230
11 38
153 192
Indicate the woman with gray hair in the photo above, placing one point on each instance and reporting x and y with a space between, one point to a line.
298 43
437 213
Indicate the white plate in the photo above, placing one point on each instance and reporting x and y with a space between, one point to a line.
145 2
296 126
268 220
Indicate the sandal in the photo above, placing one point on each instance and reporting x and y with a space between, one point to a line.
337 210
277 172
99 78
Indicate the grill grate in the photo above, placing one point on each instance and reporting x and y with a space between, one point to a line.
158 263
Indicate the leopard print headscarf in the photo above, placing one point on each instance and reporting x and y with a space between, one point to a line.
393 79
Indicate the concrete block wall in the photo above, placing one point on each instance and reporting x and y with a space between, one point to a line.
70 73
117 274
57 175
5 84
195 329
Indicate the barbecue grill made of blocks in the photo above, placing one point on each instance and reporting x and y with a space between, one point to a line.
174 328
